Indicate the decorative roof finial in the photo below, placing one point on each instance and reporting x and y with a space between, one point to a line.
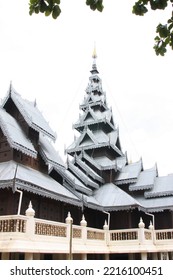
94 52
94 67
10 88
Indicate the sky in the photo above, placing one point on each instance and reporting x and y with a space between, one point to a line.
50 61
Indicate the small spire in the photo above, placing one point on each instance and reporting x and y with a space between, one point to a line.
83 221
35 103
94 53
94 67
10 88
30 211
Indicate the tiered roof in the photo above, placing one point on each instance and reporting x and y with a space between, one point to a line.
30 113
98 174
14 134
34 181
97 150
27 178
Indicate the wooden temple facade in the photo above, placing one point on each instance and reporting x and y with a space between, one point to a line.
97 184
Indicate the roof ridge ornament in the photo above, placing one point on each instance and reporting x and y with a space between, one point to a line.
94 52
94 66
10 88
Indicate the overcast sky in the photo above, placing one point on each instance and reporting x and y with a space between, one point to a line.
49 60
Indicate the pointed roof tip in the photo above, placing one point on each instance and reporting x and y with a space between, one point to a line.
94 55
35 103
94 67
156 167
130 160
10 87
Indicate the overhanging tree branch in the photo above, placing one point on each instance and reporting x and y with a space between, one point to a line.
164 32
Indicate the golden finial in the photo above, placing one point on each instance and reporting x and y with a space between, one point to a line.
130 161
94 52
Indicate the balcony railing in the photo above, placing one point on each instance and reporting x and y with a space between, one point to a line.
27 228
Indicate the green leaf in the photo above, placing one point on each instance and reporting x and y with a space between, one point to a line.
56 12
36 9
162 30
139 9
47 12
170 26
100 6
57 1
33 2
43 6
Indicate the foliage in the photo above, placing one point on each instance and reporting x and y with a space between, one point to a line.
48 7
95 5
52 7
164 32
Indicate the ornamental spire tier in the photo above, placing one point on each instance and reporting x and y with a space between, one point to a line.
96 153
94 67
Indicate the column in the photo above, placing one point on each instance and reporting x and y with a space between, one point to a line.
131 256
29 256
83 224
141 237
5 255
106 257
144 256
36 256
69 221
164 256
154 256
83 257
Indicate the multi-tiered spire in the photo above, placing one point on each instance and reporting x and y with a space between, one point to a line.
96 152
102 176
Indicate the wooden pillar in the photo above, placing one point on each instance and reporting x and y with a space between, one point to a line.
164 256
130 256
36 256
29 256
84 257
154 256
106 257
144 256
5 255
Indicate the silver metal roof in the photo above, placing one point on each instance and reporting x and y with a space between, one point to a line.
48 152
14 134
30 113
145 180
155 204
129 173
34 181
163 186
112 197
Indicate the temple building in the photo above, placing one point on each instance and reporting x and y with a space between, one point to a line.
118 209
